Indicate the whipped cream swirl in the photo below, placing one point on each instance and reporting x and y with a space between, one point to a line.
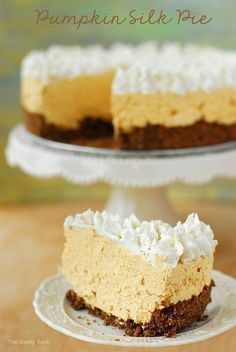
186 241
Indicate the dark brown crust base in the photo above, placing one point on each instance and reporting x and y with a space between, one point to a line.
99 133
88 130
200 133
167 321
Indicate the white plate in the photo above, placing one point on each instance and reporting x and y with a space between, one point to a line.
52 308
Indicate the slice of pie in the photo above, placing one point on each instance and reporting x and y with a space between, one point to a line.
145 277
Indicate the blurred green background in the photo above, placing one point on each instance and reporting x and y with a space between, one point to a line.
19 34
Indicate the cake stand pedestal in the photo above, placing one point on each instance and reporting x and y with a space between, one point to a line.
146 203
138 177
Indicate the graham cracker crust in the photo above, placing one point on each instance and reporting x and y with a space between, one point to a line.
91 132
198 134
99 133
167 321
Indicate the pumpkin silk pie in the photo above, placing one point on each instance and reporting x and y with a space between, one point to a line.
136 97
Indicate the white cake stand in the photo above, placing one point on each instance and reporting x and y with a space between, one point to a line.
139 177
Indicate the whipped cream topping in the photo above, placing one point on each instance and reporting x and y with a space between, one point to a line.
179 70
65 62
186 241
145 68
58 62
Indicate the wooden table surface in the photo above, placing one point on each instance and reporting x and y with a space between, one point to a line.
31 242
